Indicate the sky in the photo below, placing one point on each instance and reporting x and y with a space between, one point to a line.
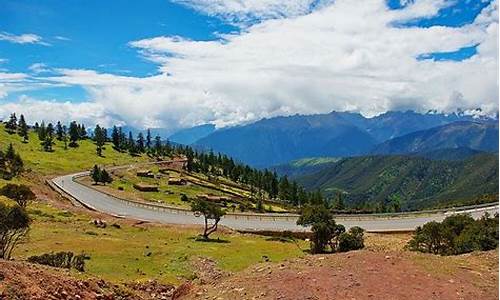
180 63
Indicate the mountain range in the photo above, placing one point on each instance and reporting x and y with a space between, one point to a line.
278 140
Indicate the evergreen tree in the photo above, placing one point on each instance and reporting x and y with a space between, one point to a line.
42 132
74 134
11 125
148 139
105 177
47 143
83 132
157 145
95 174
59 131
115 138
140 143
23 129
132 148
36 127
99 139
50 129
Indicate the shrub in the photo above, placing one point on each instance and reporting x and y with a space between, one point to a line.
327 233
20 193
457 234
351 240
63 259
14 225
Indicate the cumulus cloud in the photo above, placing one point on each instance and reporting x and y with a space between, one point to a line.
244 12
26 38
344 56
36 110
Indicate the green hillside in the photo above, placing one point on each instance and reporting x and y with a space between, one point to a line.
408 182
304 166
61 160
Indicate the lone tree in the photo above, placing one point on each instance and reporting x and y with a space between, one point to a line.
23 129
210 211
14 225
100 139
20 193
74 134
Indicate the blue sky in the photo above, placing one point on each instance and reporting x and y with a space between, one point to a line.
228 62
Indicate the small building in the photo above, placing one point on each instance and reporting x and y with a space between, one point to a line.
177 181
144 187
145 173
212 198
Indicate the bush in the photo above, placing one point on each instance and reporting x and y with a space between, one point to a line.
14 225
327 233
65 260
457 234
351 240
20 193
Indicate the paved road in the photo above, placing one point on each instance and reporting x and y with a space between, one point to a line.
104 203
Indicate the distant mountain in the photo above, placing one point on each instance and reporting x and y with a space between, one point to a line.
278 140
464 134
274 141
414 182
303 166
190 135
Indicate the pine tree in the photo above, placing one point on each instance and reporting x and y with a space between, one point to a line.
95 174
148 139
11 125
83 132
47 143
115 138
105 177
140 143
157 145
99 139
74 134
23 129
59 131
42 132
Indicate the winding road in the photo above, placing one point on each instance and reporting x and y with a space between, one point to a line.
96 200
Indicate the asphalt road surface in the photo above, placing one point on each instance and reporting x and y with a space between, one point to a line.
154 213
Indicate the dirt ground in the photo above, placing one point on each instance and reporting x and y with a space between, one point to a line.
381 271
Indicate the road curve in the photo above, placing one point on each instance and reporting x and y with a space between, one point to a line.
99 201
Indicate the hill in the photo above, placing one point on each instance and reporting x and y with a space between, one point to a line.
278 140
303 166
407 182
465 134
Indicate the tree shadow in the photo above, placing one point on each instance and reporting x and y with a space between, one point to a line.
209 240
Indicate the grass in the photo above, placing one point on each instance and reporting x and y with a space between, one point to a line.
122 254
62 161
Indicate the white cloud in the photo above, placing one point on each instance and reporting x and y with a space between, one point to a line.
39 68
346 56
36 110
245 12
26 38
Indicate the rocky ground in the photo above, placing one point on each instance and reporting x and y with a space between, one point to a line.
384 270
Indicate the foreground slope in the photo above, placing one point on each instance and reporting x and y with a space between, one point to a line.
412 182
